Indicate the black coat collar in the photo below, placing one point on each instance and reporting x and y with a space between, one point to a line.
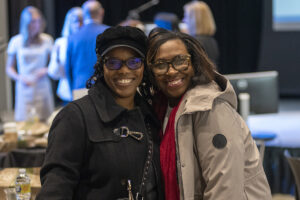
104 102
109 110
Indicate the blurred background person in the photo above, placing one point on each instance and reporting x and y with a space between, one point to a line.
56 69
81 56
201 25
27 60
167 21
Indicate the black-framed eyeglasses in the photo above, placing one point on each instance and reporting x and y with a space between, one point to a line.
116 64
179 62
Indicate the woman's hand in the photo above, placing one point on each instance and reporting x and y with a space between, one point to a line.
26 80
40 73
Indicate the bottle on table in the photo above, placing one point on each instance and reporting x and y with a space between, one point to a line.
23 191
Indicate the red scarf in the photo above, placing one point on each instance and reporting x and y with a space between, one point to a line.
168 151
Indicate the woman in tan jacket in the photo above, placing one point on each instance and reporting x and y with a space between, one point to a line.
207 152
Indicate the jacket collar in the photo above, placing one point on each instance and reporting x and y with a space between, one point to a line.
104 102
108 109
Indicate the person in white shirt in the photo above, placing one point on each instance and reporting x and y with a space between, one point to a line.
56 68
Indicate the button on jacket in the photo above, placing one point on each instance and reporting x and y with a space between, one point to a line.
87 159
217 158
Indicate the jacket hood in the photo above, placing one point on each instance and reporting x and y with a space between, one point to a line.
201 97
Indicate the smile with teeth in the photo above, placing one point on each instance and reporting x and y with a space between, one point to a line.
124 81
175 83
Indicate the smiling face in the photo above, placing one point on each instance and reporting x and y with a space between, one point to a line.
34 27
173 83
123 82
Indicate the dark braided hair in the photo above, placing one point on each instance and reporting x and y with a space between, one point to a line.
98 67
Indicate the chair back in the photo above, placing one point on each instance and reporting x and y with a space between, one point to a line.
294 163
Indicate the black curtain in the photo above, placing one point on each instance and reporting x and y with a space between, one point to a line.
61 9
238 33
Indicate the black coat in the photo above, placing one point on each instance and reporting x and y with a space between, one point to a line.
86 159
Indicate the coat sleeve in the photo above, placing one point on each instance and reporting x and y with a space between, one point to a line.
227 154
60 173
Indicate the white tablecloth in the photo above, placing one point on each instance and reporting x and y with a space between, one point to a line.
286 125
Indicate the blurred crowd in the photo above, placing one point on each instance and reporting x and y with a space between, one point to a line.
34 58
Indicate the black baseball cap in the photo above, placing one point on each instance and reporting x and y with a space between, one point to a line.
121 36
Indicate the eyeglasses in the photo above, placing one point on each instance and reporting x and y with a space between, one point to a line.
179 62
116 64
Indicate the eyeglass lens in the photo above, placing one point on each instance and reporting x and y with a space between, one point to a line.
116 64
180 63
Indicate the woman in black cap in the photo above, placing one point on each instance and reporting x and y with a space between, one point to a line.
105 145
